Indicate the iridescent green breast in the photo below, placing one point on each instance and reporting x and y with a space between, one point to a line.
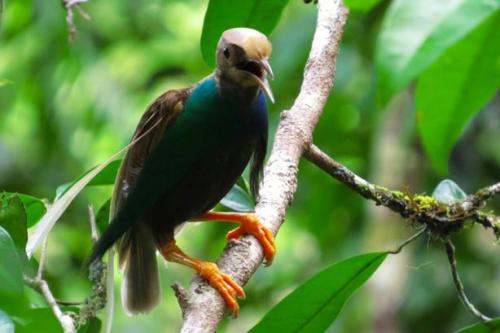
208 123
197 160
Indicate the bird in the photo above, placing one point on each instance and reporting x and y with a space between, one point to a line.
189 148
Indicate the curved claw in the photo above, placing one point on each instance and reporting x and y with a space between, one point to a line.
250 224
225 286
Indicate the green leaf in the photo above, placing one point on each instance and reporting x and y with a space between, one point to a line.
492 326
314 305
238 199
10 268
104 177
448 192
6 324
361 5
243 183
262 15
451 91
34 207
415 33
39 320
13 219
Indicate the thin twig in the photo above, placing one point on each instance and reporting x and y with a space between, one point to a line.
408 241
488 221
69 5
93 226
83 13
67 322
450 251
64 319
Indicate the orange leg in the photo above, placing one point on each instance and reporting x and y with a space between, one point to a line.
249 224
221 282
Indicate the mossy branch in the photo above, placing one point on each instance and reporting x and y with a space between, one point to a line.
439 218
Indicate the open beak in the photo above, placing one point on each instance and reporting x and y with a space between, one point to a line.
267 68
262 82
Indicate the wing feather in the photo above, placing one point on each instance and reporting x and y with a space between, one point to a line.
151 128
159 115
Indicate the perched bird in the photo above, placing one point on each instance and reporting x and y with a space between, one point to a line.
191 145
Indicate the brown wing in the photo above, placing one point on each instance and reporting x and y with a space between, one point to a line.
136 249
159 115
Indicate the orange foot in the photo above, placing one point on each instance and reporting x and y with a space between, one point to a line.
250 224
221 282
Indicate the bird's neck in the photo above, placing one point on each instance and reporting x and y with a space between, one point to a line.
242 94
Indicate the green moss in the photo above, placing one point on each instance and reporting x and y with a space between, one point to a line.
425 201
381 188
400 195
364 187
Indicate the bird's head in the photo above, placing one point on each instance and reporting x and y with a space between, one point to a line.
242 57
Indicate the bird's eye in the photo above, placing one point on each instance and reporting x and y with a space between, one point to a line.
226 52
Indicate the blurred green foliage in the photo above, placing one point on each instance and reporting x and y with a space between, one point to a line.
468 75
65 107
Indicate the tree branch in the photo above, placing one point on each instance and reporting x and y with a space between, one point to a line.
441 219
450 251
202 307
66 320
408 241
69 5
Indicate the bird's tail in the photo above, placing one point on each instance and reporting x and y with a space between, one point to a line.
120 224
137 257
